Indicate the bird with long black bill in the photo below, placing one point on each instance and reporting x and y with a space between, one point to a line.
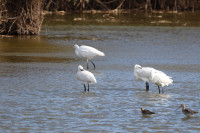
187 112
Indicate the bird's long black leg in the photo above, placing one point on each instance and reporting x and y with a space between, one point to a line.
147 86
85 87
87 64
88 88
93 63
159 89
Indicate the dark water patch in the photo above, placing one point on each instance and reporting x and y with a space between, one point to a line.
17 59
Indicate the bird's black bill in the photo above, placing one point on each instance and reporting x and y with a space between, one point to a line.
177 108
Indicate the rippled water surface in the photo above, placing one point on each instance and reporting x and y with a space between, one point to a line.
40 92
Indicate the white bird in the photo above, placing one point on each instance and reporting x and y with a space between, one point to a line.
142 74
148 74
160 79
87 52
85 76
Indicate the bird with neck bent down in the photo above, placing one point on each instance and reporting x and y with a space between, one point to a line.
148 74
85 76
87 53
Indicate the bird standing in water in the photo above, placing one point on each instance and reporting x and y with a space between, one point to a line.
160 79
85 76
88 53
148 74
142 74
187 112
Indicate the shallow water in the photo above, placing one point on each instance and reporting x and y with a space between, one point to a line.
40 92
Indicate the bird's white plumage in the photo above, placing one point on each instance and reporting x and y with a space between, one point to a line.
148 74
85 76
87 52
160 79
142 73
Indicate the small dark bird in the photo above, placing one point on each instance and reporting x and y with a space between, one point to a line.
187 112
146 112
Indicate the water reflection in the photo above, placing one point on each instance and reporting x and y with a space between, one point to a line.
147 116
30 50
133 18
190 118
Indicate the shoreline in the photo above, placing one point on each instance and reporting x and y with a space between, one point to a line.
115 11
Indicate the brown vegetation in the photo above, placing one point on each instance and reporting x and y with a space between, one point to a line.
24 17
69 5
20 18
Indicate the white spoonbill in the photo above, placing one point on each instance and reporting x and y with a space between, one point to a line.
87 52
85 76
160 79
142 74
148 74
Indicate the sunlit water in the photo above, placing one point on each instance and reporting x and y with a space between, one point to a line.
40 92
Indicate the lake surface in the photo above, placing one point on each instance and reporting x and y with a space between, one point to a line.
40 92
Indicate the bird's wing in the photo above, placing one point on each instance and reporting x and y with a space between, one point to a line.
86 76
144 73
159 77
148 112
84 52
88 51
190 111
90 77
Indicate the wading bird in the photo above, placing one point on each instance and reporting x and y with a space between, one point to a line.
85 76
146 112
88 53
187 112
148 74
160 79
142 74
